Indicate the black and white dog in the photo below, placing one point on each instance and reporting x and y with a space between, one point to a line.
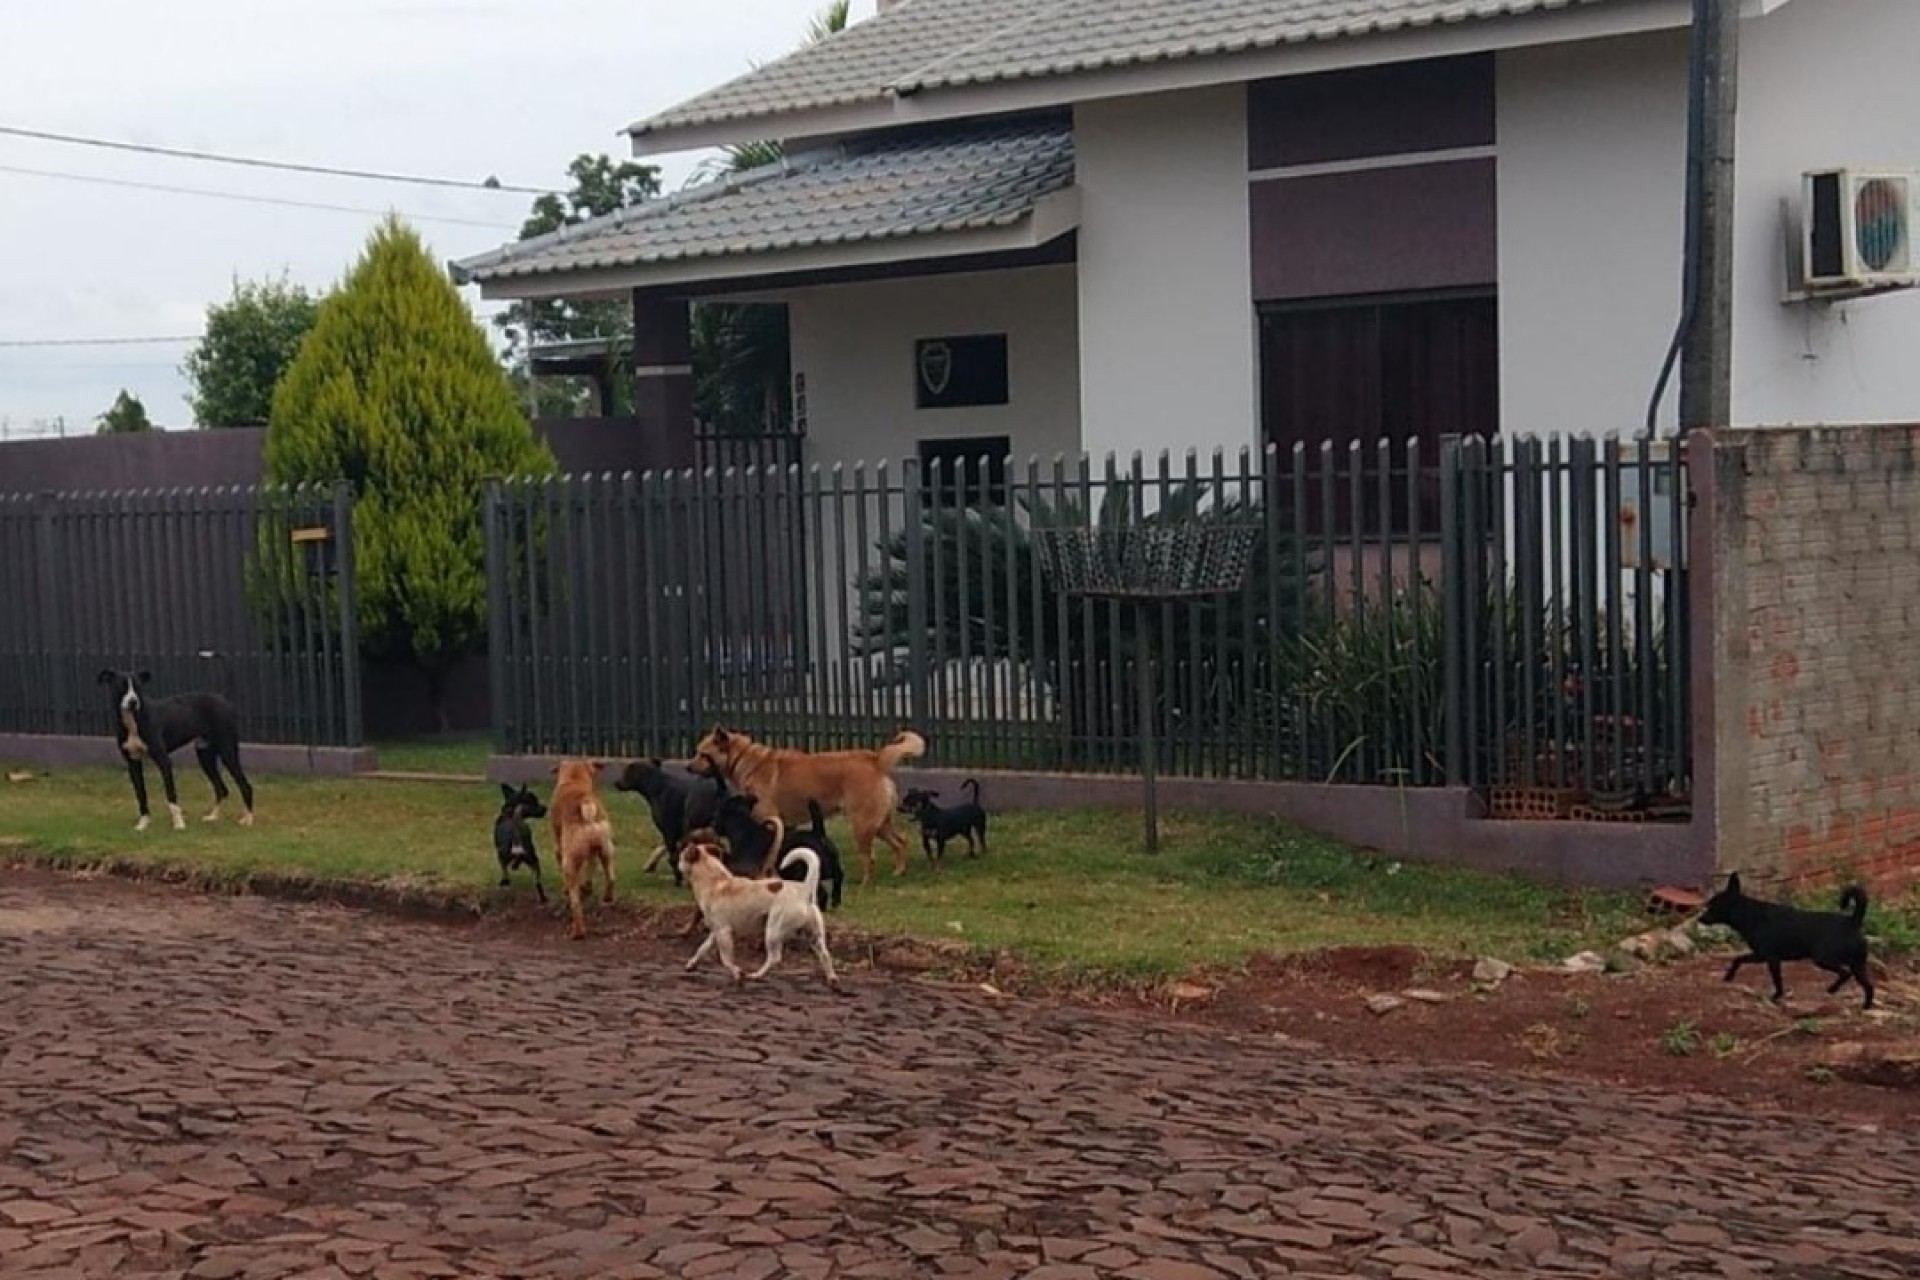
154 728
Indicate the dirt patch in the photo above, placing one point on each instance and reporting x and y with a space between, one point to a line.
1674 1028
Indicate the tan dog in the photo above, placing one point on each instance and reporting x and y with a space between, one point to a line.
733 905
582 834
856 783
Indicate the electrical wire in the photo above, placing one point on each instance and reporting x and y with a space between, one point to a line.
14 343
290 166
248 199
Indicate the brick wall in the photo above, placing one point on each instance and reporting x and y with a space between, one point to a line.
1813 635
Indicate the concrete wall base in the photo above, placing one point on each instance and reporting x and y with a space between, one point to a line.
1442 825
67 751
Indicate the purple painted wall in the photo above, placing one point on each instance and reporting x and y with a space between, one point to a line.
395 696
1375 111
1427 226
235 456
1391 229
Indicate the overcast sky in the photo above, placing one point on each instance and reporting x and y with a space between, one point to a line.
454 88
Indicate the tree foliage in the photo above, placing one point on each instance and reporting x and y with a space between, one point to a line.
599 187
125 415
249 341
397 392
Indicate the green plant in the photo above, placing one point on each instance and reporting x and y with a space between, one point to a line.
1808 1026
1578 1007
245 347
983 594
1819 1074
1725 1044
396 392
125 416
1680 1040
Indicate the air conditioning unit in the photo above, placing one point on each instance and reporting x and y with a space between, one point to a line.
1859 228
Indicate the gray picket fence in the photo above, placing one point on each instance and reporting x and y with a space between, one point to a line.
245 591
1482 613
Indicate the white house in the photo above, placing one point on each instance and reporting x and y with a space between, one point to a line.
1132 224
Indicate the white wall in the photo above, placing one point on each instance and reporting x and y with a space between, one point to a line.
1167 329
1823 83
855 345
1591 142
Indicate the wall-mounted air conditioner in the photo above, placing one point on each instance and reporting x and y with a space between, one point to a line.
1857 230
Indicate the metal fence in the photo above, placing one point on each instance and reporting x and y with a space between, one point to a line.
1471 614
246 591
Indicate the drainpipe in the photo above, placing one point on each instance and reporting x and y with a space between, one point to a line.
1703 341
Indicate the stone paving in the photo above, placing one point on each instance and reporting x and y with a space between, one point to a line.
228 1088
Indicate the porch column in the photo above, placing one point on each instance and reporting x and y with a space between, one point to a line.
663 366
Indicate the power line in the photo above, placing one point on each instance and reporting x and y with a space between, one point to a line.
249 199
98 342
214 157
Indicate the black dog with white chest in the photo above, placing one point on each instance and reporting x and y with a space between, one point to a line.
679 803
1834 940
513 835
939 824
146 728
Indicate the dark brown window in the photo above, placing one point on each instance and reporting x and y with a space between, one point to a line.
965 471
1369 370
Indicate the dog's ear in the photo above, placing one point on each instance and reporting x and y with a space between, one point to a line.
654 761
1733 883
554 771
508 793
107 676
144 677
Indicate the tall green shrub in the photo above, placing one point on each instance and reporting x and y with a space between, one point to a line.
397 392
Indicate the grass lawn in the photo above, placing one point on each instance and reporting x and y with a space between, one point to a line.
459 753
1066 890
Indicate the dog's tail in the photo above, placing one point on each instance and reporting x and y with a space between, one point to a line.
819 818
904 747
970 782
812 861
1853 898
779 829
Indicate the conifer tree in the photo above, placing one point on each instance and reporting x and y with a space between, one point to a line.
397 392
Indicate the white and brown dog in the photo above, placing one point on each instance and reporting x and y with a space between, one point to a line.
732 905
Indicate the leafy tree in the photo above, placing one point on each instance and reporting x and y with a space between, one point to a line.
250 340
397 392
600 187
125 415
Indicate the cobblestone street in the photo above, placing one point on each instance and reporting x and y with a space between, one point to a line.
234 1087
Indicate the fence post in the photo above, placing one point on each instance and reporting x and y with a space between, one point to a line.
1453 613
913 525
496 615
349 613
58 659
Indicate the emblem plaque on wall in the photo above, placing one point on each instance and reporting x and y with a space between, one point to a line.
960 372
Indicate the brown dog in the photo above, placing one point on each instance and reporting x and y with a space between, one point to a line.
856 783
582 834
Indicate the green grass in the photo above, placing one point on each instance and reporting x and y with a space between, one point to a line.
1063 890
464 754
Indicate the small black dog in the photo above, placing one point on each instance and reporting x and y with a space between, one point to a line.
154 728
679 804
513 837
939 825
832 878
1775 933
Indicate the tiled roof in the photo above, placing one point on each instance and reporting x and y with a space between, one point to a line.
931 44
891 188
